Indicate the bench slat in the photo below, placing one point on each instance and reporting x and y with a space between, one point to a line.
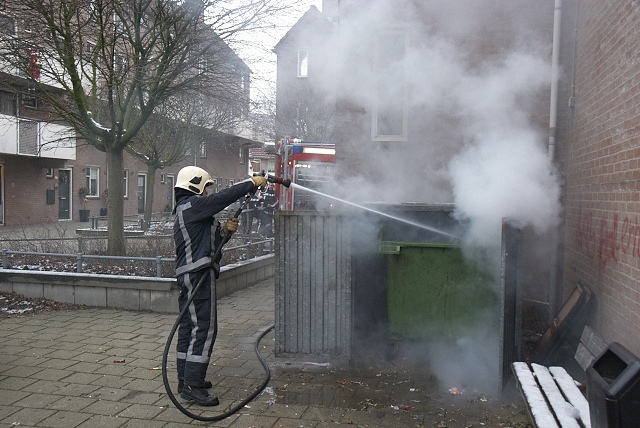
573 393
538 408
564 411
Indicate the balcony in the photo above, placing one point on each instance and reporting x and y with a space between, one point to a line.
25 137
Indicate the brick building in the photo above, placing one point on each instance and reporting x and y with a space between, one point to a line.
44 163
599 154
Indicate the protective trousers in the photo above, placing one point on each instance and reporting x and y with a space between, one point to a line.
198 327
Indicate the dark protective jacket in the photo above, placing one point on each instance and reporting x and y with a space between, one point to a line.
196 232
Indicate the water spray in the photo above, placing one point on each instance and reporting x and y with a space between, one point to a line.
402 220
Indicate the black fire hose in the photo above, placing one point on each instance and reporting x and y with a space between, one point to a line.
165 354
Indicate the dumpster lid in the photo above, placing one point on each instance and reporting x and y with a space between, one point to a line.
393 247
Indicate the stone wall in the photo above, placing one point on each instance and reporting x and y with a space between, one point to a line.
127 292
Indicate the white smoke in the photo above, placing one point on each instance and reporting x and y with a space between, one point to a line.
477 143
481 145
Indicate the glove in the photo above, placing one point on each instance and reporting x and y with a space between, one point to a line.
230 226
259 181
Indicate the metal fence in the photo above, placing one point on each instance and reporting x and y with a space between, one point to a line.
239 249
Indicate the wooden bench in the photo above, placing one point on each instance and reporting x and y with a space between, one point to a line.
553 397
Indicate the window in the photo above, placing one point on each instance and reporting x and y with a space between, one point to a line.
389 116
90 47
125 191
8 103
93 9
7 25
118 25
93 184
30 102
303 63
48 172
203 65
120 63
27 26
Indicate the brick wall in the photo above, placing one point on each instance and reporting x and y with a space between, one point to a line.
601 157
25 186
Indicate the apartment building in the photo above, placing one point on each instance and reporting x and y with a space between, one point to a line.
50 172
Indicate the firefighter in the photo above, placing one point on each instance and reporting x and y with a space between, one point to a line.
197 234
269 205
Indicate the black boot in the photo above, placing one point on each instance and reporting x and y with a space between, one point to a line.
199 395
207 385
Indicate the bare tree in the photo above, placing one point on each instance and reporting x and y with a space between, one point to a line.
307 115
104 66
178 128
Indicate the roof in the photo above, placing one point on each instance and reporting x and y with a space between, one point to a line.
259 152
312 18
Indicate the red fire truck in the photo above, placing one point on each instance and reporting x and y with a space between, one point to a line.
308 164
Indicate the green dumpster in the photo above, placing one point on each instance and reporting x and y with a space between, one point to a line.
433 293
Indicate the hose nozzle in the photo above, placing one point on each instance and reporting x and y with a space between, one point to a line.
279 180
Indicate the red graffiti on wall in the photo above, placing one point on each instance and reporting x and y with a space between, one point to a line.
605 240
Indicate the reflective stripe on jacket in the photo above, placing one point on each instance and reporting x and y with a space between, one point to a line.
196 232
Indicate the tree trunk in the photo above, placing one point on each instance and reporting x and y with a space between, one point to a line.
148 209
115 203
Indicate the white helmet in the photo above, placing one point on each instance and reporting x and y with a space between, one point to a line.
193 179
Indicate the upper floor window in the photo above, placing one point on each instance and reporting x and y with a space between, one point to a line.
303 63
93 180
120 63
27 26
92 8
7 25
29 101
8 104
126 184
389 115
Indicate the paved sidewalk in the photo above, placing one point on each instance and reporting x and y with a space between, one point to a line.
61 369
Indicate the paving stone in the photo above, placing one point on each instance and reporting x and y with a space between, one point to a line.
107 408
140 411
11 396
66 419
27 417
99 421
71 403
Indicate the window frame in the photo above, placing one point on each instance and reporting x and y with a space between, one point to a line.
8 19
381 65
90 179
302 63
125 177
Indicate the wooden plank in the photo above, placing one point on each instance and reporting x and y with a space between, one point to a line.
556 331
571 391
590 347
536 404
563 410
552 396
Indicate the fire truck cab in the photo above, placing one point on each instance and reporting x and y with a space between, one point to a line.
307 164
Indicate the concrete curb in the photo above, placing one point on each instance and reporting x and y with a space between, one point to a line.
127 292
